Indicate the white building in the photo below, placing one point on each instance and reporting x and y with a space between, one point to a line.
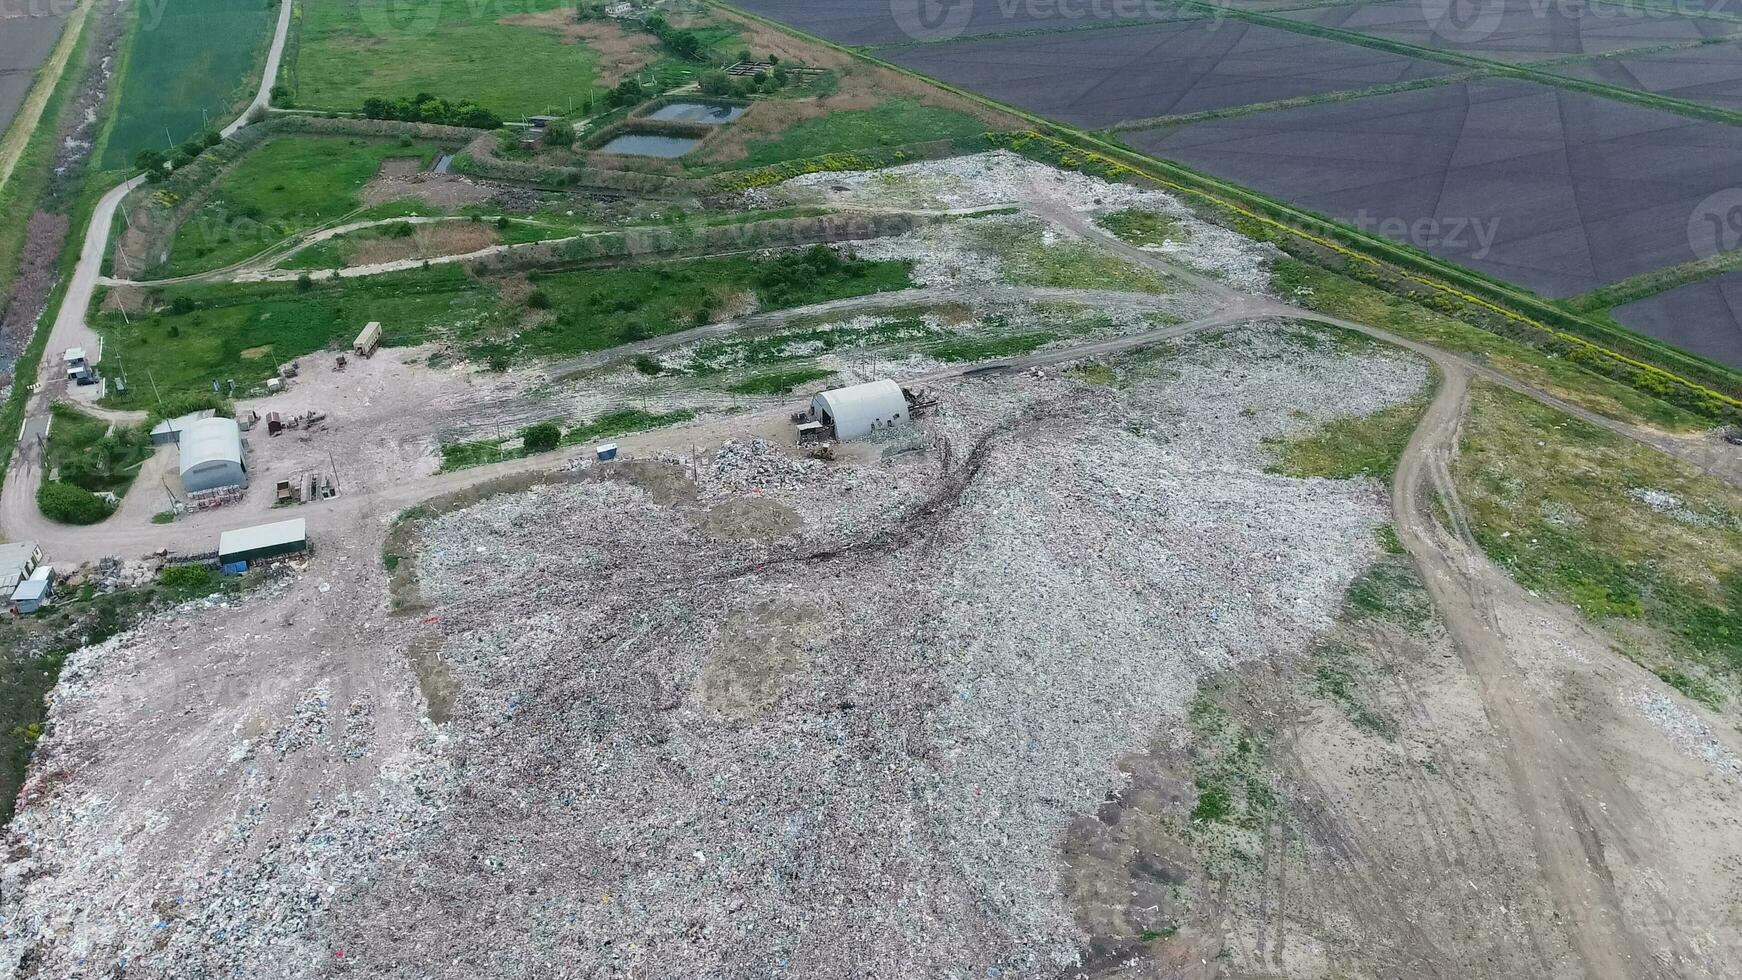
856 412
211 455
17 560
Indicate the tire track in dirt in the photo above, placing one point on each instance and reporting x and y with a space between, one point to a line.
1550 764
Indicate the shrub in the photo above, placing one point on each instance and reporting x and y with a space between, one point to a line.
559 134
539 300
541 437
304 283
190 581
68 504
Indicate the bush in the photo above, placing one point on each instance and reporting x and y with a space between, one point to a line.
715 82
559 134
68 504
190 581
541 437
304 283
175 406
539 300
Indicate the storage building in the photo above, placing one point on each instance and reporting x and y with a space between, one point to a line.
856 412
263 541
17 560
169 430
34 592
211 455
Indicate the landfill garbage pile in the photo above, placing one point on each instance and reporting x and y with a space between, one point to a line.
853 753
743 712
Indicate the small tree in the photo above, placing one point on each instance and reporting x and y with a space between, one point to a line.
541 437
304 283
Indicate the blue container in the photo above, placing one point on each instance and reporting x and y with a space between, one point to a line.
607 451
234 568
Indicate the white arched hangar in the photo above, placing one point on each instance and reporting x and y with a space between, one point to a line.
211 455
858 411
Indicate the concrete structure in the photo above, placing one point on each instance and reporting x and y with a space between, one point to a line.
263 541
34 592
211 455
18 560
169 430
368 340
858 411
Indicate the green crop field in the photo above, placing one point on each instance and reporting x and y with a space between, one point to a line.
351 50
286 186
189 62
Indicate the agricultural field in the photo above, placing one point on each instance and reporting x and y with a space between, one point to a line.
27 35
1478 173
284 187
188 64
1097 78
1520 30
1710 74
1702 317
855 22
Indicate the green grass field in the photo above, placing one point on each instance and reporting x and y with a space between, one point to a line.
286 186
895 122
188 65
598 309
351 50
245 332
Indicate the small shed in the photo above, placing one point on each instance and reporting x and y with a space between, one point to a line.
169 430
368 340
251 544
211 455
857 411
32 594
18 559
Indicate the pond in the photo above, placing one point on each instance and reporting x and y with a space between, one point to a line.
698 112
650 145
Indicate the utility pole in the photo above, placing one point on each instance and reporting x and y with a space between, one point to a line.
335 465
154 391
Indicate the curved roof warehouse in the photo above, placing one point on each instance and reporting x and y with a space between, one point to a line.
859 410
211 455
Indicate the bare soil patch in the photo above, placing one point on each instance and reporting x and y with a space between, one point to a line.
441 190
427 242
399 167
256 353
